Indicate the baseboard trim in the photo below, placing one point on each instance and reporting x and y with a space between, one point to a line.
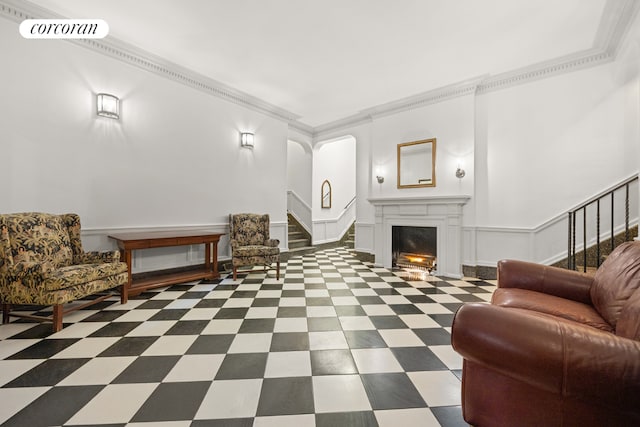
480 272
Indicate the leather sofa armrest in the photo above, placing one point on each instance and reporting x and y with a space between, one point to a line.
96 257
550 280
557 356
273 243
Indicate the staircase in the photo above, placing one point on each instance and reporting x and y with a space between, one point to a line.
349 239
590 223
299 238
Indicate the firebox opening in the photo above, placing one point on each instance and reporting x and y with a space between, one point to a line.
414 247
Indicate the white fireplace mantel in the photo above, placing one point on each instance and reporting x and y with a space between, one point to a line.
442 212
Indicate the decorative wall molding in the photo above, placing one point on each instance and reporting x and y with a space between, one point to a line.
435 96
443 212
565 64
332 229
616 20
466 87
614 24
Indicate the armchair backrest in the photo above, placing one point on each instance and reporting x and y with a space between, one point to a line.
249 229
614 284
35 237
72 221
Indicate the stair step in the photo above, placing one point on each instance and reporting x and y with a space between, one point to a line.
293 235
297 243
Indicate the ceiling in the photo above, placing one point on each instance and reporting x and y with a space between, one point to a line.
325 60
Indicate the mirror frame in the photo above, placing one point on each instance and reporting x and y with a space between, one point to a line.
325 190
433 163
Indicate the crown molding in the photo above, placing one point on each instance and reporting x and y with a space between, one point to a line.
466 87
616 20
542 70
614 25
455 90
303 128
140 58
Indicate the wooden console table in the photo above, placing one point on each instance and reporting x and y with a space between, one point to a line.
128 242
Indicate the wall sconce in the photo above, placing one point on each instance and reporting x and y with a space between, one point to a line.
108 105
379 171
246 139
460 173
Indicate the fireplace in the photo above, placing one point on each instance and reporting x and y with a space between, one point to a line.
442 213
414 247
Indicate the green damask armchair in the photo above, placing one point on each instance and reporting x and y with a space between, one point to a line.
250 242
42 263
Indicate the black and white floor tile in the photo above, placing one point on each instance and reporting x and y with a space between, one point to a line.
334 342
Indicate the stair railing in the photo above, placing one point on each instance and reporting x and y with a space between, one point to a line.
581 211
350 203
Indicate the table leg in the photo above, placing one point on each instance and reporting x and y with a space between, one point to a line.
215 259
207 256
127 259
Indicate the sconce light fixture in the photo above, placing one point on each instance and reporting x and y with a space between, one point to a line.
246 139
108 105
379 171
460 173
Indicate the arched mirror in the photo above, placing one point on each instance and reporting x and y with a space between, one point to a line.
417 164
326 194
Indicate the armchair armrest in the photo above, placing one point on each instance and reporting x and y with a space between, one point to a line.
27 268
96 257
28 273
555 281
273 243
557 356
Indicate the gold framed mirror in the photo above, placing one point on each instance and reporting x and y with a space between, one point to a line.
325 192
417 164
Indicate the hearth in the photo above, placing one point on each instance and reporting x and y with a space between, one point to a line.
414 248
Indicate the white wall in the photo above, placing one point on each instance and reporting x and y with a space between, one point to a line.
450 122
531 152
333 161
299 182
557 141
173 159
299 166
541 149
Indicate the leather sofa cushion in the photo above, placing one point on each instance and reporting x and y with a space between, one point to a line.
615 281
551 305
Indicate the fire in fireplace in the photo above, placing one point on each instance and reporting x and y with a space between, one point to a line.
414 247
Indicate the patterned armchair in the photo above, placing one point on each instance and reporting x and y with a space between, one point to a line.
250 242
42 263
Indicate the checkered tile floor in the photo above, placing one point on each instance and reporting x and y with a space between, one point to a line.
335 342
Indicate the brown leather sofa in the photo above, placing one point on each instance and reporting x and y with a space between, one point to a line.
555 347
